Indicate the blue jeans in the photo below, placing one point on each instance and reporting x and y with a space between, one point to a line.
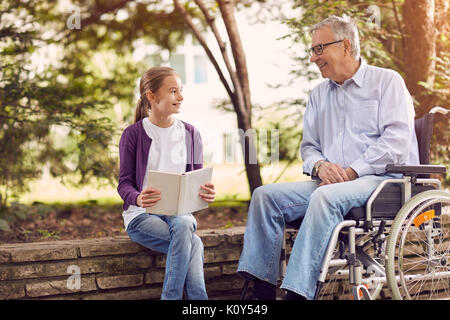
174 236
322 209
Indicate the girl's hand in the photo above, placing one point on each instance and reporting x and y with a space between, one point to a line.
148 198
210 193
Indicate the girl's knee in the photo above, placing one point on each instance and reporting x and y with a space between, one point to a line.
197 242
185 223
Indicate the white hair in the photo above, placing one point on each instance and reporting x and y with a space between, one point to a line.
343 28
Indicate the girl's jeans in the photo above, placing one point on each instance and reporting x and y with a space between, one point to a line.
174 236
322 208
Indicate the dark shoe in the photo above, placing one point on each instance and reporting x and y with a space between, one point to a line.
252 297
293 296
263 290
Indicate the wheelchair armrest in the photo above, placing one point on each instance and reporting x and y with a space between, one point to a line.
408 170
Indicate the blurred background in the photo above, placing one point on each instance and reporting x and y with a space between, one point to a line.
69 84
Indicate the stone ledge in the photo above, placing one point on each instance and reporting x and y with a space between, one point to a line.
111 268
115 268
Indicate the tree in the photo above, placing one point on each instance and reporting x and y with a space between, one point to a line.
178 22
73 93
33 102
239 92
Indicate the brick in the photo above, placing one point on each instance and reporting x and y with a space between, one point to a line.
212 272
160 261
94 265
60 297
120 281
5 256
55 287
45 253
155 276
235 235
114 265
229 269
221 255
225 283
33 270
111 247
11 291
133 294
211 238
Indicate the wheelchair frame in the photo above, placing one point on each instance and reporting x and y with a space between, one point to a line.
375 230
359 290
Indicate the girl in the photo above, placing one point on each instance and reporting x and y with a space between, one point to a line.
159 141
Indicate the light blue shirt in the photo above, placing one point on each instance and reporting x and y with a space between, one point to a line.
365 123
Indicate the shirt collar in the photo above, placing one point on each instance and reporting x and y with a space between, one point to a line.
358 77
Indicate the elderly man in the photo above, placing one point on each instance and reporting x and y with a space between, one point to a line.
355 123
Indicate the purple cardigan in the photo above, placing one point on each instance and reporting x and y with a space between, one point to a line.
134 147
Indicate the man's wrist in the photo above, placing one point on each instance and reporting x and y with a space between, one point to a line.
353 174
315 171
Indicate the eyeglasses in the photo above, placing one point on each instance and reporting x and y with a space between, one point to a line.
318 50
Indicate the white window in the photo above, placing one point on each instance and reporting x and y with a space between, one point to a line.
200 69
178 63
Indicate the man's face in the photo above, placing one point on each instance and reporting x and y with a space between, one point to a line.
331 61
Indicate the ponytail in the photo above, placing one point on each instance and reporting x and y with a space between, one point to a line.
142 109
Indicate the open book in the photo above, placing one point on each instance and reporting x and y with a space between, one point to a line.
179 192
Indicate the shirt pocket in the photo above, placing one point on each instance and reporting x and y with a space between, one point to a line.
363 117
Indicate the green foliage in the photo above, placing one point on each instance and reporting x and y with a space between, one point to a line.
11 213
61 113
33 100
4 225
48 234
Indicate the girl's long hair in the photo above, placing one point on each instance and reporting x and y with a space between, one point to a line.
151 80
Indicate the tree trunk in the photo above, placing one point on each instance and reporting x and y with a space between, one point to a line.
419 49
244 122
240 93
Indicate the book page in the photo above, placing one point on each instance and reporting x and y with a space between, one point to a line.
191 201
168 184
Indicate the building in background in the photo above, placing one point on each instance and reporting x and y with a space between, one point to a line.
269 63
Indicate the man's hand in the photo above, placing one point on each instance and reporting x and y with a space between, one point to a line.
351 174
334 173
148 198
331 173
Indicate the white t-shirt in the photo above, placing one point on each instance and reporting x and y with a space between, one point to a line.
167 153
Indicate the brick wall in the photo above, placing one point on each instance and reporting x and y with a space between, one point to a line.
117 268
111 268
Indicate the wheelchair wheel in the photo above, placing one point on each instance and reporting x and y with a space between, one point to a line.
418 248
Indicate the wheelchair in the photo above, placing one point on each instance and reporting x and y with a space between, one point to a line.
400 239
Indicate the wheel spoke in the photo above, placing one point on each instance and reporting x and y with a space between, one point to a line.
419 254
